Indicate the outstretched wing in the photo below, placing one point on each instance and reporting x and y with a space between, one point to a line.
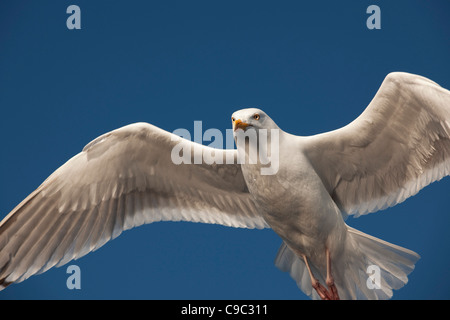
397 146
120 180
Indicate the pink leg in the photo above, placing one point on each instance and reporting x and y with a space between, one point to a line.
330 281
321 290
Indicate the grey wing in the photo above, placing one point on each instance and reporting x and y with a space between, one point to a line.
120 180
397 146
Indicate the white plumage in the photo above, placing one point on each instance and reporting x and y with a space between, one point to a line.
126 178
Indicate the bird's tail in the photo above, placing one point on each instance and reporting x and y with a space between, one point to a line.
369 268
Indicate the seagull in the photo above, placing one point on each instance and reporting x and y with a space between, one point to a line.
127 178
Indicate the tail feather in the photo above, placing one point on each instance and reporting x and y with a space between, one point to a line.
363 255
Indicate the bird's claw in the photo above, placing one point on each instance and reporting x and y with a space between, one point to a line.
333 290
321 291
324 294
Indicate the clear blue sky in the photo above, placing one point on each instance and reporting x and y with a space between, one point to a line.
313 66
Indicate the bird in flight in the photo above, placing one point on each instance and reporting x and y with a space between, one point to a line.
127 177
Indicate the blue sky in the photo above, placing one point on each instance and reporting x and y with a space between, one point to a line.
312 66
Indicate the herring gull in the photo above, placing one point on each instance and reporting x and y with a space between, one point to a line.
126 178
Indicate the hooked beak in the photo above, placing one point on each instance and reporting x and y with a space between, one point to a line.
238 124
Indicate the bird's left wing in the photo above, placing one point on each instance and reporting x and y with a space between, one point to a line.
120 180
397 146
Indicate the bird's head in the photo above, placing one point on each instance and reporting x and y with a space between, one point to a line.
252 118
258 140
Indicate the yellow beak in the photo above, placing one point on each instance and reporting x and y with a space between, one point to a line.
238 124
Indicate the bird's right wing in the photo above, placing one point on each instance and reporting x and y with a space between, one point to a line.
120 180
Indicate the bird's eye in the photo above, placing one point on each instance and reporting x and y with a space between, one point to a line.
256 116
232 119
